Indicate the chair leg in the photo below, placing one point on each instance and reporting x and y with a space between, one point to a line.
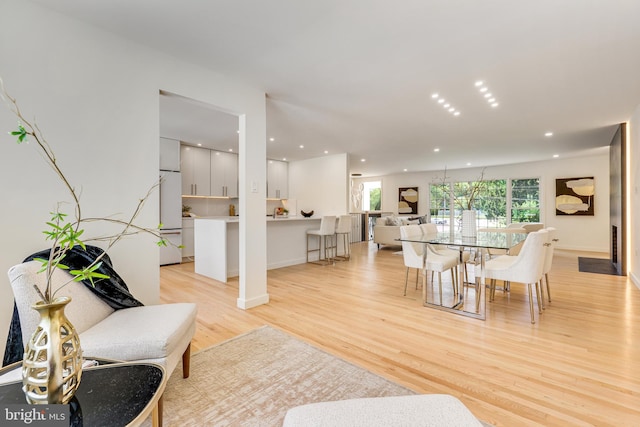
417 276
546 279
406 279
539 296
533 319
440 285
186 362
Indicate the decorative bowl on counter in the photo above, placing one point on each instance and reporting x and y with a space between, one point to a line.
306 214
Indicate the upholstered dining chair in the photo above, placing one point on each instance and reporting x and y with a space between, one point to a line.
430 260
412 252
526 267
432 229
152 333
325 236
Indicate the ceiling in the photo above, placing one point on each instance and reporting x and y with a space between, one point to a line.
358 76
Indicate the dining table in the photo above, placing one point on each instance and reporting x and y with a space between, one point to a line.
470 298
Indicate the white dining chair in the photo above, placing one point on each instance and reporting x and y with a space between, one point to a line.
412 252
526 267
325 236
430 229
430 259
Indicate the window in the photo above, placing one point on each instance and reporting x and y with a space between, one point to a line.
493 207
371 196
525 200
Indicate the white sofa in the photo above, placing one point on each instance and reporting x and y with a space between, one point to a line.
387 230
434 410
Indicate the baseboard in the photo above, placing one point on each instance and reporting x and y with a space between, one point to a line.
253 302
634 279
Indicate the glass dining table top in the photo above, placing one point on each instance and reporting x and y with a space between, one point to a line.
483 239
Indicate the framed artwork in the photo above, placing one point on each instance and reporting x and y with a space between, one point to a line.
574 196
408 200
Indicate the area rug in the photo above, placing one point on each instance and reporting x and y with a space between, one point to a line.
253 379
596 265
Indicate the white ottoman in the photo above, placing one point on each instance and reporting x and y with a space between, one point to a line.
434 410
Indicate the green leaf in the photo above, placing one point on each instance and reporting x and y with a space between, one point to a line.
21 133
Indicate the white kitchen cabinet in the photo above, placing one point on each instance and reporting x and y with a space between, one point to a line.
277 179
196 171
188 247
224 174
169 155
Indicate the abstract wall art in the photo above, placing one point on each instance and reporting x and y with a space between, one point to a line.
574 196
408 200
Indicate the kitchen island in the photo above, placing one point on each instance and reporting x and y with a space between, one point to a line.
216 241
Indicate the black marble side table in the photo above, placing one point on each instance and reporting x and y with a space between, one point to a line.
110 394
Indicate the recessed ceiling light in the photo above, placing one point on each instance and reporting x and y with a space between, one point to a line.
199 145
457 113
405 169
434 96
555 156
479 83
272 139
487 95
495 104
363 160
301 146
238 131
440 101
492 100
435 150
451 110
446 105
231 150
483 89
548 134
468 164
326 151
284 159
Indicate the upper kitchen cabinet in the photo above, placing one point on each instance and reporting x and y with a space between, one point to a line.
224 174
169 155
277 179
196 170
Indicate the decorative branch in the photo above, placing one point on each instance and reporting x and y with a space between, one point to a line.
66 234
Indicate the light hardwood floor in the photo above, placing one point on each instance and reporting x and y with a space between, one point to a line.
578 365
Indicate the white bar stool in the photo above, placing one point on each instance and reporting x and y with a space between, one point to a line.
343 229
325 240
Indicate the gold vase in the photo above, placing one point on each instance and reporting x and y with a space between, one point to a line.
52 364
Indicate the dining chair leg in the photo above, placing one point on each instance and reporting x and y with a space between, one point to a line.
533 320
546 279
540 287
539 296
406 280
417 275
440 285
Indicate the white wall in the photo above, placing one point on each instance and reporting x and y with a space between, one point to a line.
320 184
634 202
579 233
96 99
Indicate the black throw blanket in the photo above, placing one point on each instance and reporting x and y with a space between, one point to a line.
112 291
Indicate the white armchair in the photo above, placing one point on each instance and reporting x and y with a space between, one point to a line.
155 333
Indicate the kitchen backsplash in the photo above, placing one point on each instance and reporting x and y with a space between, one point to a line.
220 207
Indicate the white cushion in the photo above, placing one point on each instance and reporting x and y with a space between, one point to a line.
152 331
414 410
84 310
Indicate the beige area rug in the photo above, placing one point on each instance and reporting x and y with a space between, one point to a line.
253 379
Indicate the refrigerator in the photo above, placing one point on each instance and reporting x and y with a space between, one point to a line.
171 216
